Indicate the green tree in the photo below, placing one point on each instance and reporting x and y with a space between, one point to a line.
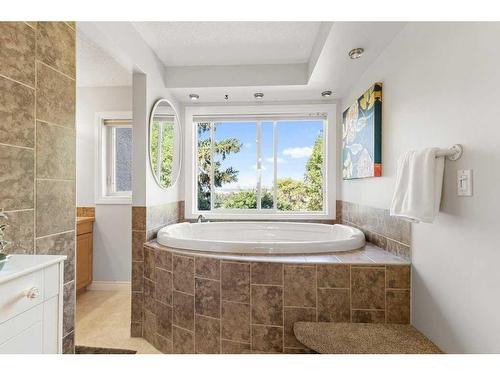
222 149
167 150
313 176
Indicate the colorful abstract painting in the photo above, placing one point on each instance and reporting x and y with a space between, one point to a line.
362 136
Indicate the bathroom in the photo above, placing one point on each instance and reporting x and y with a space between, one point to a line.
261 186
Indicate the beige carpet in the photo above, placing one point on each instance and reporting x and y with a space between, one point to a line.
103 320
363 338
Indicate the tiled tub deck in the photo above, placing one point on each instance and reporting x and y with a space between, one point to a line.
188 302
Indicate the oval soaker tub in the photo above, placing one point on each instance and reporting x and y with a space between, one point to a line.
261 237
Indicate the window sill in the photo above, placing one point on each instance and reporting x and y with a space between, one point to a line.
262 216
114 200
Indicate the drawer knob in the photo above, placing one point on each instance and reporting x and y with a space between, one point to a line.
33 293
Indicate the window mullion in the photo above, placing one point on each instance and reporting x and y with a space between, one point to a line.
275 166
259 164
159 149
212 149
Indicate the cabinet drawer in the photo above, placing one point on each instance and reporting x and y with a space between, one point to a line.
83 228
13 294
15 326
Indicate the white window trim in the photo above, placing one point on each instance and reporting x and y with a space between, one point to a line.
100 159
191 210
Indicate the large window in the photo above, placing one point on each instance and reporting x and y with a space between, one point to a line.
262 164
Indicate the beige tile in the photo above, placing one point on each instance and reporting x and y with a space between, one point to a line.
149 327
298 351
267 273
137 276
300 286
398 306
138 239
16 178
208 268
163 260
207 297
139 218
368 316
137 307
183 268
20 232
55 97
397 277
334 305
267 339
17 52
56 46
235 279
183 310
235 321
334 276
233 347
69 308
368 288
183 341
163 344
55 151
55 207
17 114
103 320
164 320
149 264
207 335
60 244
293 315
267 305
164 286
149 295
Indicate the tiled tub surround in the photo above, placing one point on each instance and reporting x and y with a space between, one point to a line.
199 303
388 232
37 145
146 222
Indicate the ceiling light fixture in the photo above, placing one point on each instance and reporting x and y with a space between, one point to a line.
194 97
326 94
258 95
356 53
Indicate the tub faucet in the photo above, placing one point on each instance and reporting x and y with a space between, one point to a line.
201 219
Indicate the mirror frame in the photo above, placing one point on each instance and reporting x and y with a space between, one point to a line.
175 178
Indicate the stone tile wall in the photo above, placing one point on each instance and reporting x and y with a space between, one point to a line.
385 231
146 222
206 305
37 145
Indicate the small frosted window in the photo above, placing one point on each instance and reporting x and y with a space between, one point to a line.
123 158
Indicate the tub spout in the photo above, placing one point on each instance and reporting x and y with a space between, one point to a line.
201 219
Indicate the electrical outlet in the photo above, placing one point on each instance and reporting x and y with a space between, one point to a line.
464 182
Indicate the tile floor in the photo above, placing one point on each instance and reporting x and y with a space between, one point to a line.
103 320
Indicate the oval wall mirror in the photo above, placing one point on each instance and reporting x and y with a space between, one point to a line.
164 143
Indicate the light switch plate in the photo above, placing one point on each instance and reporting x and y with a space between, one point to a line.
464 182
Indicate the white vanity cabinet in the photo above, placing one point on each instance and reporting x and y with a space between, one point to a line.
31 304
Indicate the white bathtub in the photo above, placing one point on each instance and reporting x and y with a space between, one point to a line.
261 237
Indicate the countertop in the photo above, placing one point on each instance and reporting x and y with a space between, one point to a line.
19 265
84 219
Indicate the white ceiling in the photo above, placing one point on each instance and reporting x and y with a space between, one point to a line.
96 68
229 43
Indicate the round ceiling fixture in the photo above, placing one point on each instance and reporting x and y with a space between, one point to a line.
194 97
356 53
326 94
258 95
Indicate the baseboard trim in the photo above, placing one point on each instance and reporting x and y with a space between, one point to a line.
124 286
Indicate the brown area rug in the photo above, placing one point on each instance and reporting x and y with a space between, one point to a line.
363 338
80 349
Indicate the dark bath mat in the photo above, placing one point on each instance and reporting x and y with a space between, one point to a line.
80 349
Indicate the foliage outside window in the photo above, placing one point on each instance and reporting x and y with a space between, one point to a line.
162 149
265 165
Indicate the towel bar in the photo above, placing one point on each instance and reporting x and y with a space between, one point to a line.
453 153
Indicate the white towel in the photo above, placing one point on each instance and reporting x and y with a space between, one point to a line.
419 181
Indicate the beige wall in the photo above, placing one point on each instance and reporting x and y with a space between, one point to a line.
37 145
440 87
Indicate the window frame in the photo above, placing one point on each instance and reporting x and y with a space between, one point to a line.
104 159
329 169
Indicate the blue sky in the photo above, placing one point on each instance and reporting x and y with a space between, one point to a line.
295 142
